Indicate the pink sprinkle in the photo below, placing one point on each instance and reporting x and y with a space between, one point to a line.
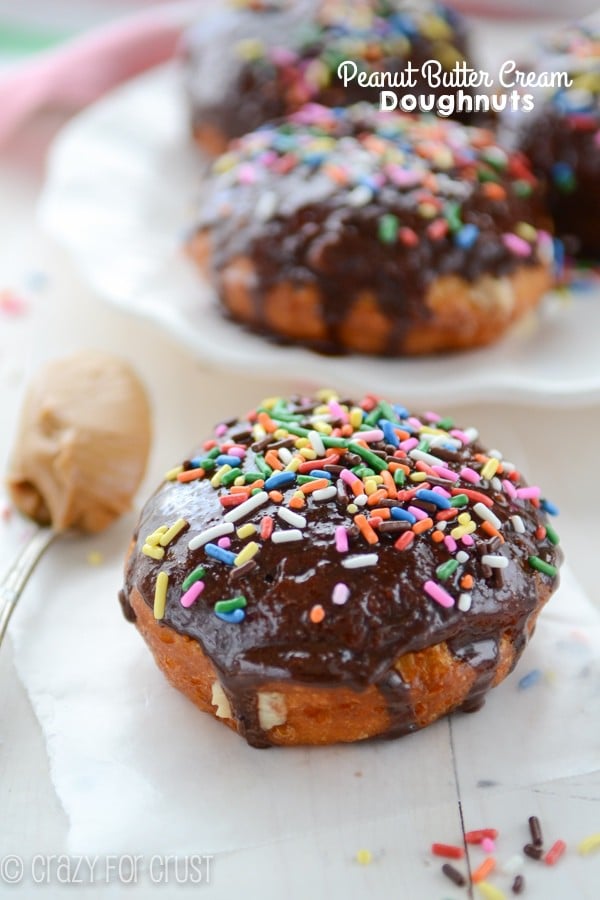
443 472
450 543
432 416
437 593
6 512
468 474
192 594
528 493
409 444
516 245
438 489
348 476
240 452
416 423
509 488
246 174
224 543
11 303
336 411
488 845
282 56
467 540
370 436
403 177
340 593
460 436
341 539
417 513
220 430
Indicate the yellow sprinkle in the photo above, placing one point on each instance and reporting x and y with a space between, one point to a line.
589 844
459 532
246 530
490 892
326 394
154 539
370 486
301 442
364 857
464 518
418 476
154 552
321 410
216 479
490 468
427 429
298 495
160 595
95 558
356 417
249 49
352 508
270 402
307 453
293 464
170 535
323 427
239 481
225 162
250 550
280 434
258 432
172 474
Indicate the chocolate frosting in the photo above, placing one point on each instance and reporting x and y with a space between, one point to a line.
388 612
246 66
354 201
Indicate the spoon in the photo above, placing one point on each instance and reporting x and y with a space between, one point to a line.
79 456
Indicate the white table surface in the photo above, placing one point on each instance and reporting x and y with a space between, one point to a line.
63 316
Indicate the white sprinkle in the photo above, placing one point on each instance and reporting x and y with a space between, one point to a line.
487 515
462 556
317 443
464 602
210 534
495 453
359 562
284 455
444 440
425 457
513 865
441 526
265 206
361 500
340 593
508 466
471 433
360 196
284 537
247 507
494 561
292 518
324 493
517 524
496 484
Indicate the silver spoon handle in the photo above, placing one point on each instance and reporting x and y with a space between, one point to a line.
14 581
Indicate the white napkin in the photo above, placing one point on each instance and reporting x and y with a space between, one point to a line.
138 767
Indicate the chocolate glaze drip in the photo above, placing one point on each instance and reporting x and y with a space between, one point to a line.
234 94
387 615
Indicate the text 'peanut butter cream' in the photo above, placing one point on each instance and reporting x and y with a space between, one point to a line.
83 442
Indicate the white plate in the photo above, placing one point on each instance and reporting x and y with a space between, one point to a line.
123 180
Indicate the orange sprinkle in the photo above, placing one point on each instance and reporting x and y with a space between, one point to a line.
423 525
376 496
346 430
273 460
389 484
365 529
381 512
466 582
357 488
437 536
482 871
404 541
445 515
266 527
317 613
297 503
317 485
422 466
403 435
260 482
393 467
276 496
267 422
208 445
494 191
191 475
240 489
493 532
540 533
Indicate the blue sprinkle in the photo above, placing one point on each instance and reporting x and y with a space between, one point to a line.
319 473
234 617
530 679
280 479
389 433
402 514
225 460
401 412
220 553
433 497
466 236
549 507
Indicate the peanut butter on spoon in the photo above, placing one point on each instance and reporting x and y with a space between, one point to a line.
82 444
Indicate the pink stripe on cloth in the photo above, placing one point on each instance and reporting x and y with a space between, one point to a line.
80 71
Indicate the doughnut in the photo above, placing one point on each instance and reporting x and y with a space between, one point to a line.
324 571
356 230
256 61
562 137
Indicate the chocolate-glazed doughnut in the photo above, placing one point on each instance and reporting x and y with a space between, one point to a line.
562 136
252 62
355 230
322 571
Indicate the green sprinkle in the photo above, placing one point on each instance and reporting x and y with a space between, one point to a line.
375 461
363 471
195 575
387 229
256 490
216 451
294 429
306 479
372 419
399 476
459 500
453 218
445 424
227 606
522 188
229 477
552 535
265 470
251 477
333 441
542 566
424 443
387 412
447 569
